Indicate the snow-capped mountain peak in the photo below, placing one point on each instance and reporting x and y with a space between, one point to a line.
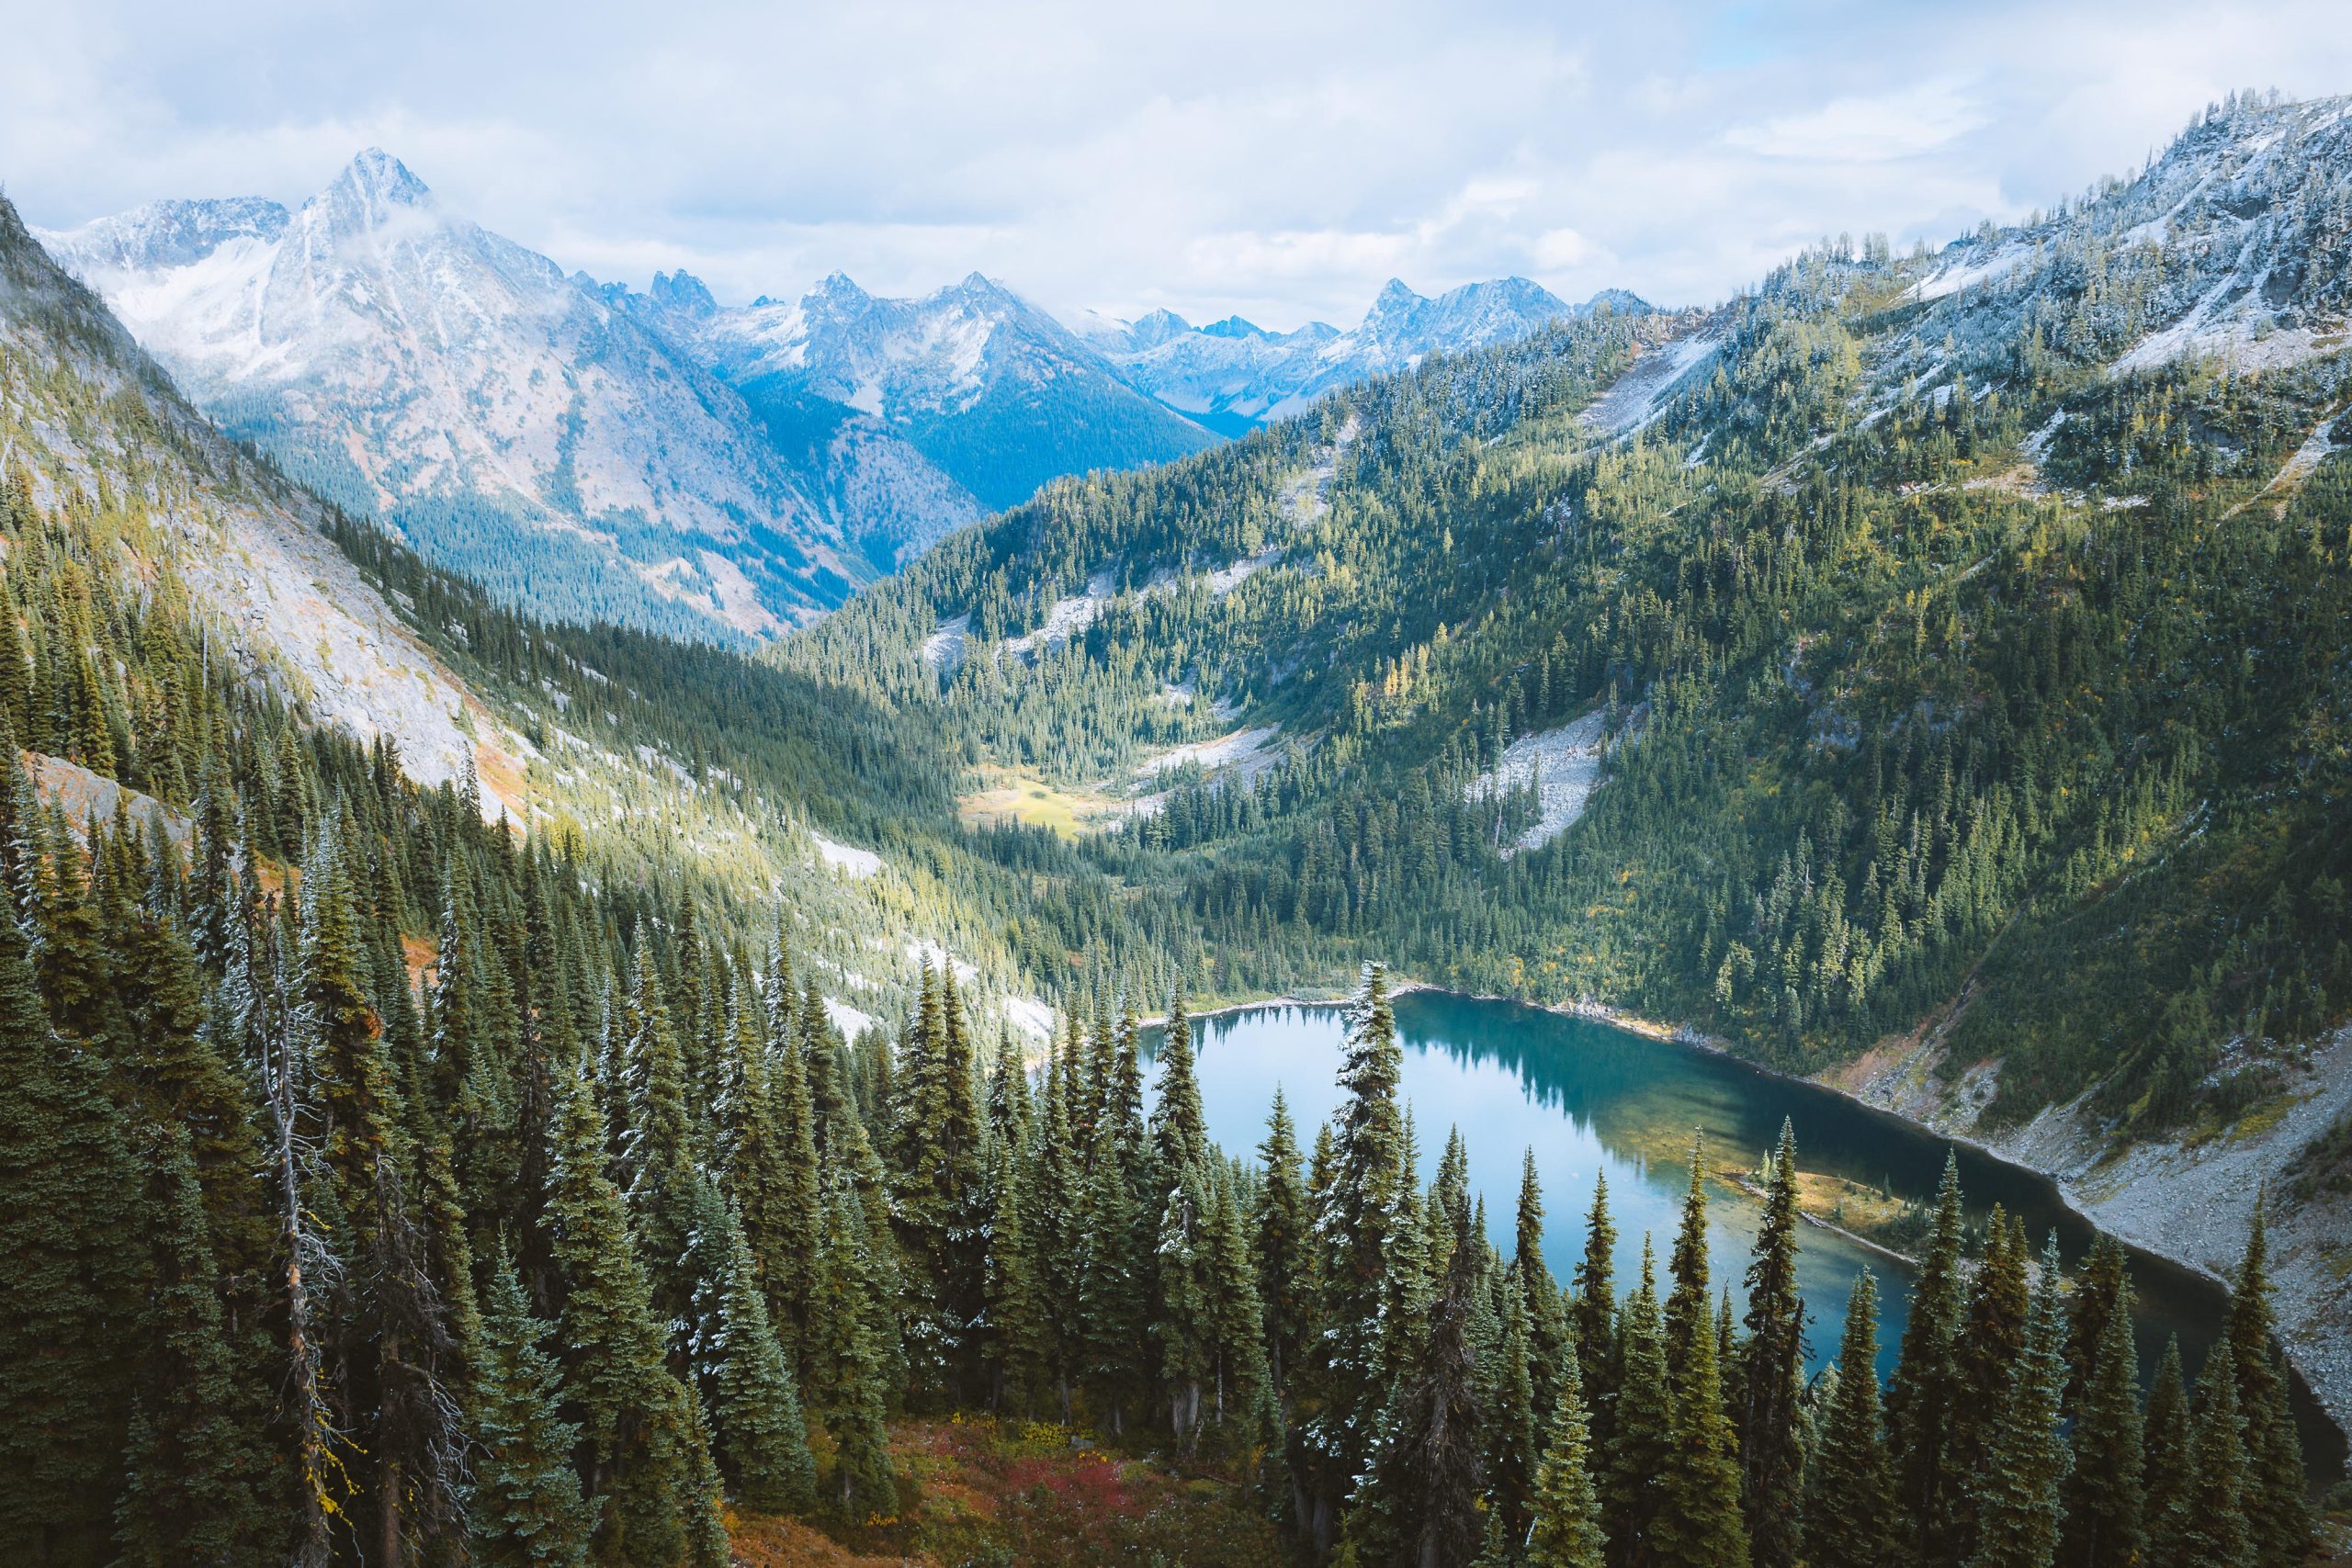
1233 374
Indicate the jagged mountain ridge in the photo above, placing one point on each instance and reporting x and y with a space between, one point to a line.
415 367
1234 375
999 394
599 736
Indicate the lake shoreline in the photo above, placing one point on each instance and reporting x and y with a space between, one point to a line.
2310 1332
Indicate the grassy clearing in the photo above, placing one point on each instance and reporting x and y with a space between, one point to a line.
1006 794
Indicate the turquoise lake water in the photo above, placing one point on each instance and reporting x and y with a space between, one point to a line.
1588 1099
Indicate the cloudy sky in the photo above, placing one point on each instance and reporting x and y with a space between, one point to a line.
1277 158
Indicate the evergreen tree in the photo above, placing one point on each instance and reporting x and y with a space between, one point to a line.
1593 1314
2277 1505
2213 1532
1179 1133
1566 1529
1698 1523
1772 1373
1641 1445
850 1360
2102 1522
1361 1222
199 1477
1430 1474
2170 1446
763 1441
1279 1245
636 1422
1849 1481
69 1294
522 1508
2018 1481
1512 1453
1926 1383
1547 1322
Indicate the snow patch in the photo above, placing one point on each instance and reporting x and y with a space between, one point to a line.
1226 579
1247 750
1563 765
944 648
855 864
1639 395
850 1021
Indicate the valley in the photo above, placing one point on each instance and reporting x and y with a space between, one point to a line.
638 924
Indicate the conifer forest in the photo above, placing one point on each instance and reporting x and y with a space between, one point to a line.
610 902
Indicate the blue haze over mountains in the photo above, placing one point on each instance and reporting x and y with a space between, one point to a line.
658 457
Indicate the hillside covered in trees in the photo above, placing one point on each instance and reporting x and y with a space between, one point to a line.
485 1092
1962 636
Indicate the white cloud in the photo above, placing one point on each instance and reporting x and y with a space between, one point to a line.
1903 124
1282 161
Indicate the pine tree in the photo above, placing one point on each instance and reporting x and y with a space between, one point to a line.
1429 1475
1641 1447
1772 1372
1179 1133
2018 1481
2169 1445
1690 1305
2213 1532
1566 1529
1593 1314
850 1360
1699 1523
1512 1452
69 1296
2277 1505
1926 1383
1547 1322
199 1472
763 1441
1362 1219
2102 1522
1279 1245
1991 1340
522 1508
1849 1481
637 1423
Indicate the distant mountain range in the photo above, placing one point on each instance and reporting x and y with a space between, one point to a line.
656 457
1233 374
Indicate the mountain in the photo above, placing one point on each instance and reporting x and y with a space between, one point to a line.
1233 374
1925 673
415 367
997 393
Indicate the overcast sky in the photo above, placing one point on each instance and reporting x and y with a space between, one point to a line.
1278 159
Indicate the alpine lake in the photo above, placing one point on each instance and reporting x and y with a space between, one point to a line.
1592 1099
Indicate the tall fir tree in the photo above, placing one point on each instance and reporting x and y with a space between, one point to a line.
2169 1445
1565 1531
2277 1506
2019 1481
524 1508
2102 1522
1926 1379
1848 1519
2213 1531
1772 1372
69 1297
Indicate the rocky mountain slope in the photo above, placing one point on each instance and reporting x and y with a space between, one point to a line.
654 760
418 368
992 390
592 451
